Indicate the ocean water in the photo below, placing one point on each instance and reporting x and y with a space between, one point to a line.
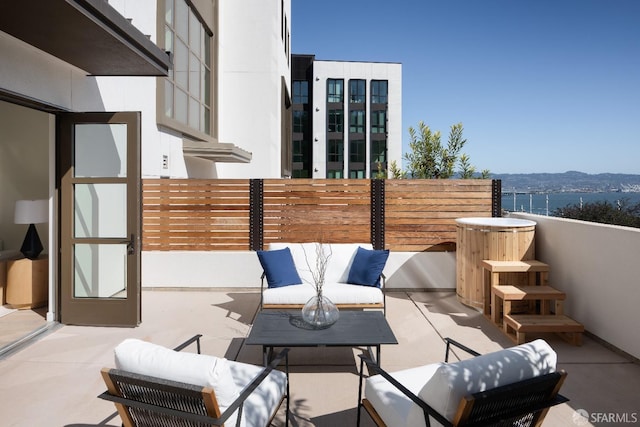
545 204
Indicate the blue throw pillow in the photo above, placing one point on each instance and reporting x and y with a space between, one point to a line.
367 267
279 268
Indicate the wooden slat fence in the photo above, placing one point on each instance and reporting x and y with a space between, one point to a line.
195 215
223 214
420 214
311 210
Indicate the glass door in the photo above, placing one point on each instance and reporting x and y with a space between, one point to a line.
99 190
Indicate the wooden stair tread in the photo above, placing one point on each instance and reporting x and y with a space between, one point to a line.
524 266
518 293
543 323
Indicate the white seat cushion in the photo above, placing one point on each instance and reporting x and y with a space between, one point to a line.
338 293
262 403
226 378
443 385
395 408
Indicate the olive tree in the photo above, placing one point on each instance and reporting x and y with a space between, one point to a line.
428 158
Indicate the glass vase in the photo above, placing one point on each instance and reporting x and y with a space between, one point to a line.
319 312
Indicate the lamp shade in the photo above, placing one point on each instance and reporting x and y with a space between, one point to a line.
31 211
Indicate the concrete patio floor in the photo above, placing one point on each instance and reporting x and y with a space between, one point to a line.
55 379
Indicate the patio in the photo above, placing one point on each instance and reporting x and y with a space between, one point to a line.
54 381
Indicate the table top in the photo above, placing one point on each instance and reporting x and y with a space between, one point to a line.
353 328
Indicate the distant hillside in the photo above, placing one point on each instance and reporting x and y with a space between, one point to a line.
571 181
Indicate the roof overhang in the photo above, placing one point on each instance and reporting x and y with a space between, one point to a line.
89 34
216 151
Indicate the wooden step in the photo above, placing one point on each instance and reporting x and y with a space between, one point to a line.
521 293
503 296
535 273
521 324
525 266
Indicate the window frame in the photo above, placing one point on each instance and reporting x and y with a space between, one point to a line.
357 121
379 122
300 92
359 95
376 98
331 92
332 120
207 73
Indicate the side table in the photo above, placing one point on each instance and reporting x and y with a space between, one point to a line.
27 283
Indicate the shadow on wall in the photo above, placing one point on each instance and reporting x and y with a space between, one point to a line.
421 270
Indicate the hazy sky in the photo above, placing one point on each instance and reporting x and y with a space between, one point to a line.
540 85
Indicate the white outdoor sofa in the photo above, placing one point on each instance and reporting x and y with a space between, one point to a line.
363 292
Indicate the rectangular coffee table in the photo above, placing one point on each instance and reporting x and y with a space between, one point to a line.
353 329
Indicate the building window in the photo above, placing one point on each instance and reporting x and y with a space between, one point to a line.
335 150
335 90
357 151
187 89
335 121
299 121
301 159
357 156
379 152
379 121
300 92
357 92
335 173
335 158
379 91
356 121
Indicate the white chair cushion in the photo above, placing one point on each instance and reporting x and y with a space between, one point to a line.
150 359
338 293
451 382
443 385
395 408
262 403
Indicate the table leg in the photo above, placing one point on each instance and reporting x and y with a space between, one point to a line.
267 354
376 359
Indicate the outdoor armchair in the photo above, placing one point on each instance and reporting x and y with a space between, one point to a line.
191 389
514 386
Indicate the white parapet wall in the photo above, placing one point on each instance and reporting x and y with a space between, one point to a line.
241 269
597 266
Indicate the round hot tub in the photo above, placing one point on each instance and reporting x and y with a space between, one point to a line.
497 239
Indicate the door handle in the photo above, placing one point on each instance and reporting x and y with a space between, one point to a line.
131 244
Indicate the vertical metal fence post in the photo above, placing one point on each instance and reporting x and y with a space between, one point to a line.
256 214
377 213
496 198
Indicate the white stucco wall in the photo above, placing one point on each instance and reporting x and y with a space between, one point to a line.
252 63
323 70
35 74
597 266
241 269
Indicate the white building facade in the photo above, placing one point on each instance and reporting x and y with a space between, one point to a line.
347 118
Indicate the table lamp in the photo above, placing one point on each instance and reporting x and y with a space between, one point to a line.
31 212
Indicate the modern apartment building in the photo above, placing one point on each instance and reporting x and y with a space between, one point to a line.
347 118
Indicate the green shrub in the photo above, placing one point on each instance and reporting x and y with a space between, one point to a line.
622 213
